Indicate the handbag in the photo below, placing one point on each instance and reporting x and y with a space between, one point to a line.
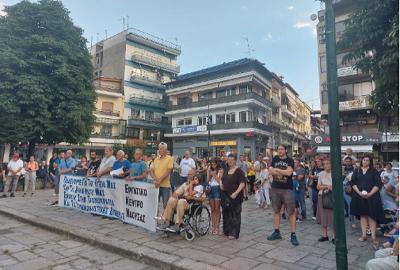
327 200
226 201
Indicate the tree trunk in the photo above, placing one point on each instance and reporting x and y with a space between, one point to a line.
31 149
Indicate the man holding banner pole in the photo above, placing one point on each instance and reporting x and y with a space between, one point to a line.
138 168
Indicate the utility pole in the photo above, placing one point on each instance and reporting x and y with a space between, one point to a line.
208 129
334 130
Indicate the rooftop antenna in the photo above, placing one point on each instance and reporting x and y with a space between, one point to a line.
105 31
123 22
127 21
249 50
97 37
91 41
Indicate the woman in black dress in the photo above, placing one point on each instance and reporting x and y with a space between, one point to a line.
232 184
366 201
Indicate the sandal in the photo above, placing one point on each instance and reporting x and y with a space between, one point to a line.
375 244
230 237
362 239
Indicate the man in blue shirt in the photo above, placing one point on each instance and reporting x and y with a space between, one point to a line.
139 167
123 163
67 165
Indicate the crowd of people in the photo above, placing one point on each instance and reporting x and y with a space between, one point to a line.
371 192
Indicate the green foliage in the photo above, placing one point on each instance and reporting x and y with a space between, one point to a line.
374 27
46 91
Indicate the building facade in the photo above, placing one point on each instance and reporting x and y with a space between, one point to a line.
357 116
244 107
145 63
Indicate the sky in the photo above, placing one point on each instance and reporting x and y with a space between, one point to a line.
210 32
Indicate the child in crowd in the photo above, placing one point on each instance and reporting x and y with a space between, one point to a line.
194 189
262 186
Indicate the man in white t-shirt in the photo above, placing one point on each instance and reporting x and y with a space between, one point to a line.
106 163
349 153
14 167
187 164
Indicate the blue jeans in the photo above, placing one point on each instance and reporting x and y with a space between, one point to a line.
302 201
164 195
347 199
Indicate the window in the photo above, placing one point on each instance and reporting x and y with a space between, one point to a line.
135 114
184 122
220 119
244 89
206 95
322 63
202 120
149 116
230 118
339 29
133 133
107 106
221 93
362 89
321 34
184 100
149 134
230 92
345 92
106 130
324 97
249 116
242 116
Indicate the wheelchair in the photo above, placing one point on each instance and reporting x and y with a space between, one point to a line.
196 221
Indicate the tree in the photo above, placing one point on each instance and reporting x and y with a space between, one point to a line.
372 39
46 90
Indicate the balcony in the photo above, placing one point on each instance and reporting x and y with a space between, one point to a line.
146 81
152 62
357 103
149 102
241 125
221 100
108 136
286 110
134 121
276 101
108 113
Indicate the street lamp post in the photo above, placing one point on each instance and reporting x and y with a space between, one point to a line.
152 142
334 130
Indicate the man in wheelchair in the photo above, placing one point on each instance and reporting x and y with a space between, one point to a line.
188 193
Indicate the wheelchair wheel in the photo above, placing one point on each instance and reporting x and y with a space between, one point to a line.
202 220
189 235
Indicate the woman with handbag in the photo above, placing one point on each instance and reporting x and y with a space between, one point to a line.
366 201
232 185
325 201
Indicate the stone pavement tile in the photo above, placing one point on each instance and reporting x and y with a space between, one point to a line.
263 247
318 261
14 247
250 253
100 256
63 267
294 266
124 264
81 263
66 259
24 255
70 243
201 256
265 260
194 265
160 246
265 266
66 252
51 255
290 255
8 261
240 263
39 263
227 251
332 256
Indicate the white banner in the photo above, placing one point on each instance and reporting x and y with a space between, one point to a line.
130 201
141 203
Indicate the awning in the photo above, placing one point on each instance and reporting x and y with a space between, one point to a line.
355 148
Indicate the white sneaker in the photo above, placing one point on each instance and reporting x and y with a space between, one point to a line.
54 194
314 218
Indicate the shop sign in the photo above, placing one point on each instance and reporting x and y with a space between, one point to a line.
346 71
349 139
189 129
222 143
358 103
390 138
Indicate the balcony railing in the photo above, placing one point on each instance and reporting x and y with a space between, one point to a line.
288 111
241 125
108 113
152 123
151 102
146 60
220 100
108 136
146 80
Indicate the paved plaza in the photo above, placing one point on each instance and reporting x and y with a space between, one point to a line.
20 242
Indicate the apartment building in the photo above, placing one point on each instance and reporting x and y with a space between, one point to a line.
145 63
235 97
357 117
291 116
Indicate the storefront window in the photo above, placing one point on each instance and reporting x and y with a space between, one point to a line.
220 118
230 118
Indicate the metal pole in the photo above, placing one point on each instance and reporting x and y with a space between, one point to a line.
208 129
334 129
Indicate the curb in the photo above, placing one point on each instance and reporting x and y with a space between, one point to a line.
141 254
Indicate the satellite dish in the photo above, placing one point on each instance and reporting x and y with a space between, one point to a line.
313 17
